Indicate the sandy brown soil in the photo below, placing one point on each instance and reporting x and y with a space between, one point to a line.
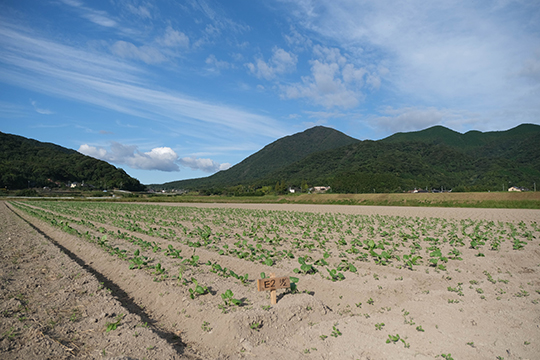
516 215
53 308
53 305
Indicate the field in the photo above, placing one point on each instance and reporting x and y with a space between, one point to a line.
501 200
99 279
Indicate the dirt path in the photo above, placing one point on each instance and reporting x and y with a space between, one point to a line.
429 313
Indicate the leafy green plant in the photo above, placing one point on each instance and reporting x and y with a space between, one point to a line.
411 260
305 268
335 331
175 253
334 275
113 325
206 326
255 326
193 260
228 298
197 290
379 326
158 269
393 339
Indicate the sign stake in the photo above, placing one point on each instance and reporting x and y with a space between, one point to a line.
273 292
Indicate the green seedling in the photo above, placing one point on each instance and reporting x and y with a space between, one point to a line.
335 332
171 251
411 260
393 339
227 297
419 328
370 301
379 326
113 325
193 260
158 269
304 267
294 287
335 275
198 289
206 326
255 326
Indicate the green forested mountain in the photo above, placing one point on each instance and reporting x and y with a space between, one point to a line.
272 157
26 162
433 158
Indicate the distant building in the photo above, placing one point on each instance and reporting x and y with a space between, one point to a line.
319 189
517 188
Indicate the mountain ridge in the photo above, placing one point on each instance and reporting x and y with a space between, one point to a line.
436 156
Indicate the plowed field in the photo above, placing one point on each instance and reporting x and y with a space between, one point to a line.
110 280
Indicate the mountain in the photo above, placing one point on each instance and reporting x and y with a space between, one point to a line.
27 162
436 157
470 140
272 157
433 158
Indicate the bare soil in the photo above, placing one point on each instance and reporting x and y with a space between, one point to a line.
60 294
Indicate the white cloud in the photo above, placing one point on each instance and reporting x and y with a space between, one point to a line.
127 50
296 40
41 110
455 54
141 11
334 81
96 16
162 158
206 165
218 64
281 62
174 38
323 87
34 63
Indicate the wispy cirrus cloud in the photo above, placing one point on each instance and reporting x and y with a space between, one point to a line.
32 62
96 16
40 110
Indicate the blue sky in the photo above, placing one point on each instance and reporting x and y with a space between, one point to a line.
170 90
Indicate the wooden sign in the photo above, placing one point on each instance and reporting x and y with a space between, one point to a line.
273 283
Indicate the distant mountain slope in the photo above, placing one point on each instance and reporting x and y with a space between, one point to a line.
27 162
433 158
471 139
272 157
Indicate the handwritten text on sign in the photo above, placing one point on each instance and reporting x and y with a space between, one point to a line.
273 283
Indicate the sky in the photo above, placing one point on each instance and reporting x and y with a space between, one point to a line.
177 89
